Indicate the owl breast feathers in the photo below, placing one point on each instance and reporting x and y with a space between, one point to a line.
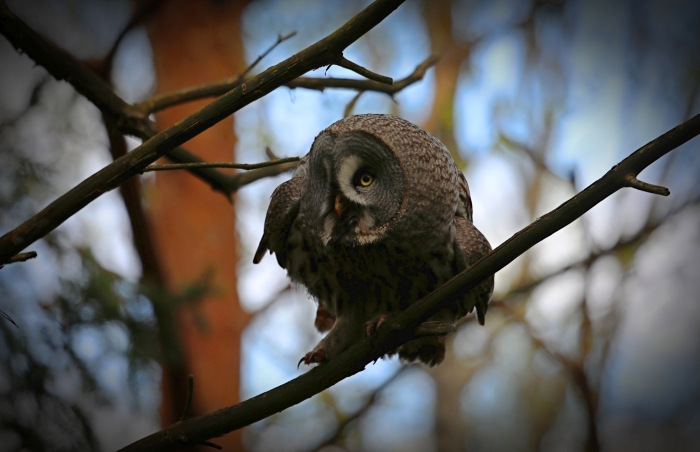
376 216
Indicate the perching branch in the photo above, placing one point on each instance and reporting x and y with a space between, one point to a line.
401 328
322 53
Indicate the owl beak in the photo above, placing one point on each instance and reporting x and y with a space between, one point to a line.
341 205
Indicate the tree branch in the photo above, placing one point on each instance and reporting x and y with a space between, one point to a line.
359 70
400 328
320 54
165 100
243 166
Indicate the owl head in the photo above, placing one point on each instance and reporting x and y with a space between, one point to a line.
371 176
353 188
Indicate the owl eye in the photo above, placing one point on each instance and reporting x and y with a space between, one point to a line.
366 179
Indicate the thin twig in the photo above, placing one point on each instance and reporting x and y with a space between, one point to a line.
345 421
400 328
4 315
190 393
280 40
241 179
348 108
356 68
144 10
243 166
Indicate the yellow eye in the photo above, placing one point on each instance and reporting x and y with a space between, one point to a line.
366 180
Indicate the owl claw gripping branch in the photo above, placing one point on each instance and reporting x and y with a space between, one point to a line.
376 216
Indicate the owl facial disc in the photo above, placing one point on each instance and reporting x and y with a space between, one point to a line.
360 183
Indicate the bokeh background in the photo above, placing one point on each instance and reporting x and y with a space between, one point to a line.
592 341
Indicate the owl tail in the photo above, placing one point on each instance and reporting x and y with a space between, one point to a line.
481 305
262 248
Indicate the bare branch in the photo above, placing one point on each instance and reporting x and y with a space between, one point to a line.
321 84
243 166
4 315
280 40
348 108
190 393
271 155
242 179
144 10
356 68
401 328
165 100
318 55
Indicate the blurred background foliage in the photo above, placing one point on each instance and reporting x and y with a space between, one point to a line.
592 339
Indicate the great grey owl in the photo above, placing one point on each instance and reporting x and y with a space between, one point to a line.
376 216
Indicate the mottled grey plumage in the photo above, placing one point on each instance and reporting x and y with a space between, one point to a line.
376 216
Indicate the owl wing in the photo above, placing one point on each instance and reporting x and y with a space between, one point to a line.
464 207
284 207
470 246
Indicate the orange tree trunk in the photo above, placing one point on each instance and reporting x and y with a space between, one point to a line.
194 227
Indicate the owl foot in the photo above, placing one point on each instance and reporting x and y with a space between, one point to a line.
371 326
324 320
315 356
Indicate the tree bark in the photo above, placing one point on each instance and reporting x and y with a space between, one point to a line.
194 229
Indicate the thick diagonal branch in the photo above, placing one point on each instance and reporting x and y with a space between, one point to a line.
402 327
320 54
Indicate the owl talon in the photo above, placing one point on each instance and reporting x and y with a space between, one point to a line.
372 326
316 356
